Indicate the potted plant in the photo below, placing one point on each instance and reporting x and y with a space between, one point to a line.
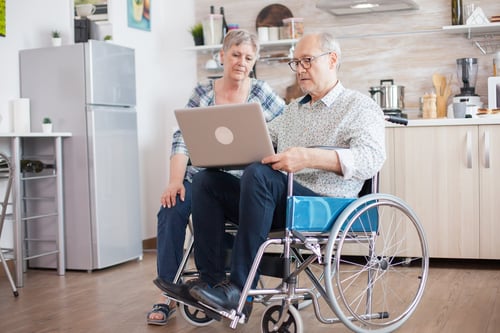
197 33
47 125
56 38
108 38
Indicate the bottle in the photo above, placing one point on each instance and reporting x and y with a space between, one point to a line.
225 28
212 10
34 166
457 16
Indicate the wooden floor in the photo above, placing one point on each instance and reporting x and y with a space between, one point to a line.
461 296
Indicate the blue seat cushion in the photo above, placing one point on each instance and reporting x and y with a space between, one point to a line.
318 214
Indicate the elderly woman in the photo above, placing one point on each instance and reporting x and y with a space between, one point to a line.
240 51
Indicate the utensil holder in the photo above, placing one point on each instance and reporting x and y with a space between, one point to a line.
441 106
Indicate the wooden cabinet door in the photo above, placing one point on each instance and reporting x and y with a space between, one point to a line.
436 173
489 194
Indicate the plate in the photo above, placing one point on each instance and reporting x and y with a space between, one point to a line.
272 16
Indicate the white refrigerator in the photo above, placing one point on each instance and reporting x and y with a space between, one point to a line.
88 89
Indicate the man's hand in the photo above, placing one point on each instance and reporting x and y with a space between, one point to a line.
293 159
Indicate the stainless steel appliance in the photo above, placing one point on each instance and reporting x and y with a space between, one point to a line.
88 89
389 97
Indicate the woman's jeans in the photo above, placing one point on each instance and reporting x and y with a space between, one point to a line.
172 223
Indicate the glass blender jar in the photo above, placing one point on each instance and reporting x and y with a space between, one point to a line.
467 75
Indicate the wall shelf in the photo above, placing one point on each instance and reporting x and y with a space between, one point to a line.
263 46
486 37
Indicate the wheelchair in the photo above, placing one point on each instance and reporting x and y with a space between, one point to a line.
363 259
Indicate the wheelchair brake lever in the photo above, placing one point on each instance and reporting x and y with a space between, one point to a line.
315 248
311 246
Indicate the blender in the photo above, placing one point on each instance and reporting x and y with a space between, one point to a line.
467 75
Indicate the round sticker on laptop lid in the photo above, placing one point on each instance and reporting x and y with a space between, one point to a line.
224 135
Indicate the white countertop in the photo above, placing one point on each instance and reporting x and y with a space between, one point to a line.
483 120
35 134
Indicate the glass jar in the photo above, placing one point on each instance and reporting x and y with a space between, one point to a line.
293 27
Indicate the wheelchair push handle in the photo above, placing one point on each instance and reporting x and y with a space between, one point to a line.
396 120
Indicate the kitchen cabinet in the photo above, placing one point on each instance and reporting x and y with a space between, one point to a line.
446 174
489 191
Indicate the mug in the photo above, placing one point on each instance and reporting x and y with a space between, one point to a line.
459 110
85 10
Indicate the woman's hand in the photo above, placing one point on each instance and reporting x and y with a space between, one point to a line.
169 196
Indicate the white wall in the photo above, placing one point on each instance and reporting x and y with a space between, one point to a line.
165 74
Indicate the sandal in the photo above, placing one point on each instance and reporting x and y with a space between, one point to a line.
162 308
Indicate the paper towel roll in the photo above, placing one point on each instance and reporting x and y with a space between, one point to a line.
20 111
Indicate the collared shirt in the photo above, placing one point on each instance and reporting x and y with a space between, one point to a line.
204 95
345 119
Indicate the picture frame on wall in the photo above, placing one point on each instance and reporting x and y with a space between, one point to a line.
2 19
139 14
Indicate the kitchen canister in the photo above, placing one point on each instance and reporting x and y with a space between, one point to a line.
293 27
20 114
429 110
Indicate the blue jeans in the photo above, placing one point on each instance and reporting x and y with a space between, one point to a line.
171 233
256 202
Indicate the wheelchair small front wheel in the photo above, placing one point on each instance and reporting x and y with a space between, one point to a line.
292 322
194 316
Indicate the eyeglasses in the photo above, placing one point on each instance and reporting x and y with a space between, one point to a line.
304 62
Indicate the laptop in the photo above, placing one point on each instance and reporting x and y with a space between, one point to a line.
229 136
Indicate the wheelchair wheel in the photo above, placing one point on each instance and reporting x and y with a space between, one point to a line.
194 316
376 264
291 324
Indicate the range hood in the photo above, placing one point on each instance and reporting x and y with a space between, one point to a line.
350 7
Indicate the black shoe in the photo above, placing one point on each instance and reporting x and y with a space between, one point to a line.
223 296
178 291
